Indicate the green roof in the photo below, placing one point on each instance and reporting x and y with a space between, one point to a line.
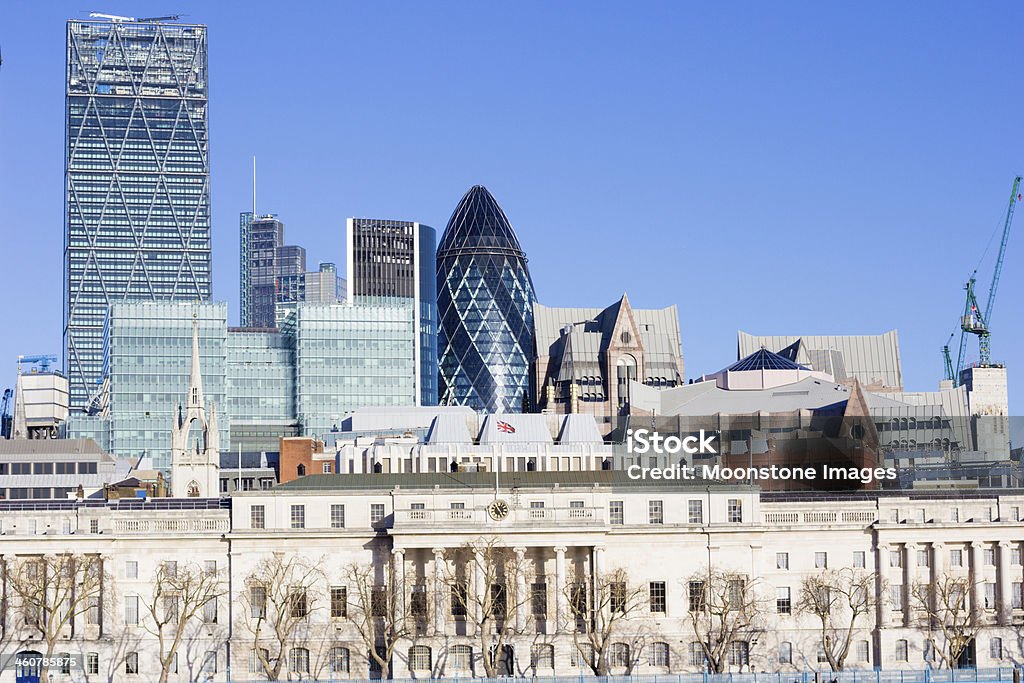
486 480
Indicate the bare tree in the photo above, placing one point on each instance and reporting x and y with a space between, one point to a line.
51 591
379 609
181 597
487 581
615 599
837 599
280 595
946 615
726 611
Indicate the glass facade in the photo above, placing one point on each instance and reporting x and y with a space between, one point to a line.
392 263
348 357
137 200
485 309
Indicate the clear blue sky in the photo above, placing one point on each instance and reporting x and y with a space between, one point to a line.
828 168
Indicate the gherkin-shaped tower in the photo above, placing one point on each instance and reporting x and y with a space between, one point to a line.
485 309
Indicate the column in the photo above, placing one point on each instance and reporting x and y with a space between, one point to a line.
598 574
478 586
398 576
439 592
882 563
561 604
977 580
1005 584
909 579
938 570
523 599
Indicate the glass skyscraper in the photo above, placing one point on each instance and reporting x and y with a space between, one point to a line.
137 178
485 309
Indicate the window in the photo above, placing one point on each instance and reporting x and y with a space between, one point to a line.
617 596
418 601
131 569
695 510
1017 595
298 602
209 663
92 663
989 555
131 609
257 517
735 509
1015 514
616 512
658 654
901 650
539 599
619 655
1015 555
258 602
895 558
210 567
298 516
326 469
542 656
954 516
859 559
821 560
739 653
695 593
93 613
896 596
990 596
862 651
339 660
376 513
419 658
210 611
298 660
697 656
459 596
337 516
94 526
131 663
783 601
657 597
822 656
460 657
995 648
583 655
785 653
922 558
655 512
255 664
782 560
578 602
956 558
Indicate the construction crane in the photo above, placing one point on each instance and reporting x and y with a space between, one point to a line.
42 363
975 320
948 360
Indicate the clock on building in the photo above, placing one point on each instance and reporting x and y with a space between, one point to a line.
498 510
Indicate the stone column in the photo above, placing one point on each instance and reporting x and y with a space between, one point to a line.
523 601
398 576
479 586
938 570
882 562
977 572
909 579
561 603
598 576
439 592
1005 584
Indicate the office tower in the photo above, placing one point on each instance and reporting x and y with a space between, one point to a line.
272 273
325 286
392 261
485 309
137 178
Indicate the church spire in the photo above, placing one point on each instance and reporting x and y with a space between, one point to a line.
195 384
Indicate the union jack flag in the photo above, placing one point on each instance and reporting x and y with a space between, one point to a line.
506 427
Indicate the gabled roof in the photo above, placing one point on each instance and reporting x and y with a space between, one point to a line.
515 428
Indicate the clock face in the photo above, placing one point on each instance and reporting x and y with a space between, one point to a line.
498 510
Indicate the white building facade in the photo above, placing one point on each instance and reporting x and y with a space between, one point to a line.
566 534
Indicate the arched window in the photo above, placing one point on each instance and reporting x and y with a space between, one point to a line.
658 654
542 656
419 658
460 658
619 655
193 489
298 660
300 470
739 653
339 660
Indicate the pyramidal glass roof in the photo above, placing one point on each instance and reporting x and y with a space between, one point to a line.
479 224
764 359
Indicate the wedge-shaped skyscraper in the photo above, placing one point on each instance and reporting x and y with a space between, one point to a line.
485 309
